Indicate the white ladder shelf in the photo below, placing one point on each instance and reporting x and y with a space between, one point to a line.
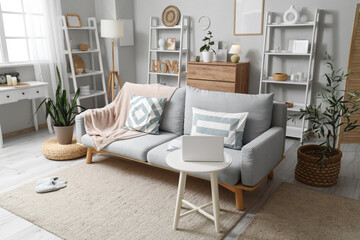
154 28
92 30
266 79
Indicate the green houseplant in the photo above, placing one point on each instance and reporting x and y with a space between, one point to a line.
319 165
62 112
206 49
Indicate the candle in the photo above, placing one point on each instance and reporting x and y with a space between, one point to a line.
14 81
9 80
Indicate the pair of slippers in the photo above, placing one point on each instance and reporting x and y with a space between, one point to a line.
50 184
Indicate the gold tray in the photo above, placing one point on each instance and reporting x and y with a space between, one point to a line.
17 86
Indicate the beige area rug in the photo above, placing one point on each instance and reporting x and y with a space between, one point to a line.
295 212
119 199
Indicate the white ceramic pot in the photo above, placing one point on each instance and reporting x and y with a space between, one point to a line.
291 16
162 43
207 56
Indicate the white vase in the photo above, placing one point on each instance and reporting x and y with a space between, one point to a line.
207 56
291 16
162 43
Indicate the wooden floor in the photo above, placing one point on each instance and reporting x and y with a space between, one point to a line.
21 161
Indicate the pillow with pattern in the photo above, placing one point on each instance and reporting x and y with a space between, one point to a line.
228 125
145 114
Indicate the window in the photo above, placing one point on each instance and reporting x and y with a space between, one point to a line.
22 31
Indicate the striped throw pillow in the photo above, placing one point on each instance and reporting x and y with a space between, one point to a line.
228 125
145 114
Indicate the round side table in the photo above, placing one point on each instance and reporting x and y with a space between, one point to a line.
174 160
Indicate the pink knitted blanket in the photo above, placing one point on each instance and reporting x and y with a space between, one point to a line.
105 125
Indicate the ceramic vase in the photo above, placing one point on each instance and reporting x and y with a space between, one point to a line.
162 44
291 12
235 58
207 56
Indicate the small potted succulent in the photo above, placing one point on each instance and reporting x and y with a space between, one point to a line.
62 112
319 165
206 50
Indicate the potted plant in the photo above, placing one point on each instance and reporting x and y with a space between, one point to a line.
319 165
206 50
62 112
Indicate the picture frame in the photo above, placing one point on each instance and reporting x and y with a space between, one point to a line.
220 56
300 46
248 20
73 21
290 45
171 44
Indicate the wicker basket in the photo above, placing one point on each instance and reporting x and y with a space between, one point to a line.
308 171
280 76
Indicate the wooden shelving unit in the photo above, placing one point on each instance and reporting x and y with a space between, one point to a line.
92 30
304 86
154 32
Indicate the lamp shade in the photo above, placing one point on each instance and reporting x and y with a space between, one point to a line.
112 28
235 49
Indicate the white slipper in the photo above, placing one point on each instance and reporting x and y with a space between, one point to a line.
49 179
49 186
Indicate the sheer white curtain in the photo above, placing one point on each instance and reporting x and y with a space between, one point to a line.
46 42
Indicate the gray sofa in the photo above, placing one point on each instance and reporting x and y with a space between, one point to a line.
264 136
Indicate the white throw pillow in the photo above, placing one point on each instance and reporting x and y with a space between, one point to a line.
145 114
228 125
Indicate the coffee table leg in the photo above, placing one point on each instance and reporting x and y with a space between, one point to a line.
215 198
179 198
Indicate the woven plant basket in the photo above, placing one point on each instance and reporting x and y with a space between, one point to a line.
308 170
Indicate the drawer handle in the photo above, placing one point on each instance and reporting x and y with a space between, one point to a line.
23 93
8 96
37 91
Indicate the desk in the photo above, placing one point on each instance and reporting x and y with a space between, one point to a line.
31 92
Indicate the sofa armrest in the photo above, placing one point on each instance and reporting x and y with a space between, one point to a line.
261 155
79 127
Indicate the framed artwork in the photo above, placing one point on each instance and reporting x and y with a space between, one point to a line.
300 46
73 21
220 56
171 44
248 17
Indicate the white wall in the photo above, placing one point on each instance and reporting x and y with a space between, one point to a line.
334 33
126 55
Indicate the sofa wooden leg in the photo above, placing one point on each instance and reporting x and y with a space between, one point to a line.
239 199
89 155
271 175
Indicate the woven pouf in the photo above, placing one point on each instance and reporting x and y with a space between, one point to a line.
55 151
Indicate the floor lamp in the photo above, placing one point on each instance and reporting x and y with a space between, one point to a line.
112 29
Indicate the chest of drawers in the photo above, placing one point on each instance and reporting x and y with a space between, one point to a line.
219 76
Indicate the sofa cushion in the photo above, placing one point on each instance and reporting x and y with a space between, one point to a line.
135 148
145 114
173 118
229 176
259 108
228 125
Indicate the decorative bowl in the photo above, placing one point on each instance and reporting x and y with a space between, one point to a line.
79 70
280 76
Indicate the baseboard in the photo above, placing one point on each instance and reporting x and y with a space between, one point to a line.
23 131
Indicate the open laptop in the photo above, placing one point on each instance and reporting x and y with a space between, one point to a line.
202 148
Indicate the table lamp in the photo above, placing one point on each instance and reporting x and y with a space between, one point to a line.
235 49
112 29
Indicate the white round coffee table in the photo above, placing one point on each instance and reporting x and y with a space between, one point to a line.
174 160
